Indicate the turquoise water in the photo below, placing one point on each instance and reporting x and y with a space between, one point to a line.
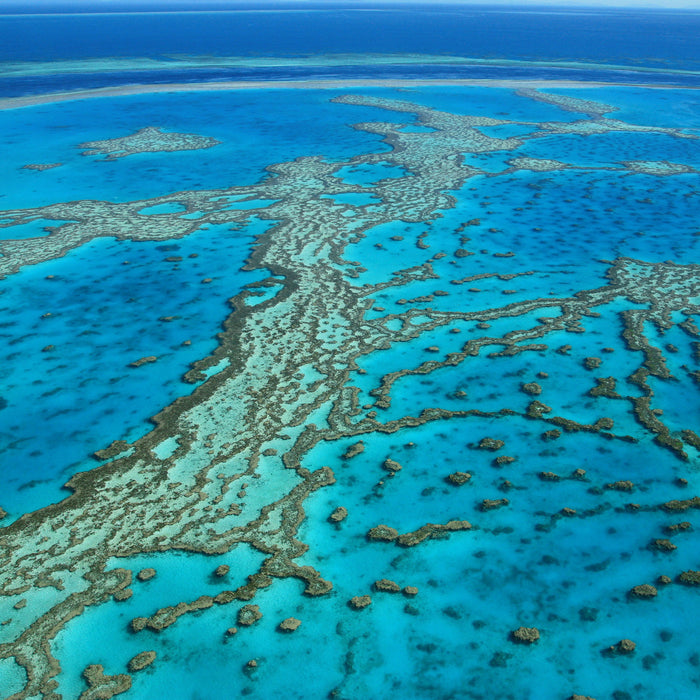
32 229
255 128
68 390
166 208
104 315
474 584
609 151
105 629
677 108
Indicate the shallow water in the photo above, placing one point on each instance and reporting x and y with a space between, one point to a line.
545 244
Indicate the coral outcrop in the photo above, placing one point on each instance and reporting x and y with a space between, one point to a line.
141 661
525 635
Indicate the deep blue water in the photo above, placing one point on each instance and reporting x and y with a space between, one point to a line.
635 39
474 31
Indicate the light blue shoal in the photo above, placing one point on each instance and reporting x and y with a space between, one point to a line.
38 228
165 208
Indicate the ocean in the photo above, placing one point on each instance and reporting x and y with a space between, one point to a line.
374 389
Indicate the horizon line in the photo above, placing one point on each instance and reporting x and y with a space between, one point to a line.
169 7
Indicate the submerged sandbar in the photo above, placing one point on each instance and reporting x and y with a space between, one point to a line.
144 89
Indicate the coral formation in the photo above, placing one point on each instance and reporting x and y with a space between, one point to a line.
690 578
525 635
491 444
102 687
147 140
387 586
459 478
249 615
143 361
338 515
431 531
644 591
360 601
141 661
383 533
624 646
290 624
134 504
625 485
354 450
391 466
491 504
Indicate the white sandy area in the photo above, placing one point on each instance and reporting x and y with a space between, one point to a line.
31 100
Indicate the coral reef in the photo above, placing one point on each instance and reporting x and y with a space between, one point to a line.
663 545
491 444
644 591
431 531
102 687
134 504
690 578
354 450
143 361
146 574
383 533
624 646
491 504
391 466
147 140
141 661
387 586
249 615
525 635
289 625
360 601
338 515
625 485
459 478
41 166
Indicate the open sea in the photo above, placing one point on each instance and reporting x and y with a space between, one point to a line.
436 344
